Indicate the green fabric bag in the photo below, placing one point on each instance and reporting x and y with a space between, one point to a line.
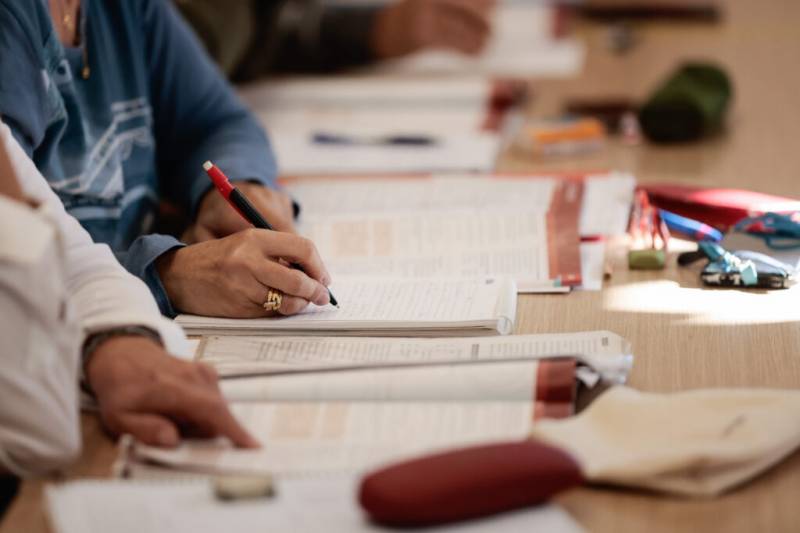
691 104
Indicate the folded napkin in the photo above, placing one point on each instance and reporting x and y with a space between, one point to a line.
696 443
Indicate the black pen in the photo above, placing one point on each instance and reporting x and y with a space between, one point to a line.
242 205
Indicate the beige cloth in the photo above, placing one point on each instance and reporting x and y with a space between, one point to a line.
695 443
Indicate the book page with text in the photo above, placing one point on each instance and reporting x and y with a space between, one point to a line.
318 437
483 305
442 243
343 196
236 356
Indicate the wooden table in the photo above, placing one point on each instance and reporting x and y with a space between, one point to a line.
683 336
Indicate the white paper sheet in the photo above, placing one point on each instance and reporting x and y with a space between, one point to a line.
522 45
607 197
389 306
326 505
607 352
450 112
298 155
343 93
441 243
593 265
328 197
314 437
509 381
607 201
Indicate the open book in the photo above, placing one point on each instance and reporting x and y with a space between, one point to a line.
388 307
522 227
344 405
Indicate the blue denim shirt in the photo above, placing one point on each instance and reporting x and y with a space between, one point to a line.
136 132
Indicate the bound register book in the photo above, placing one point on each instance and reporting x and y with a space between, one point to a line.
388 307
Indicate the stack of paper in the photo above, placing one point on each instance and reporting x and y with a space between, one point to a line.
389 306
450 114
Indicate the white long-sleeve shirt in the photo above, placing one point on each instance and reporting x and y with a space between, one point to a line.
56 288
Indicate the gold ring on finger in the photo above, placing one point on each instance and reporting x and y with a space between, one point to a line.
273 300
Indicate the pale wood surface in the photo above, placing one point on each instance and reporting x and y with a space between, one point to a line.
683 337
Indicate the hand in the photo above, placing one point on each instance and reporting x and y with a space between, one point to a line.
411 25
155 397
216 218
230 277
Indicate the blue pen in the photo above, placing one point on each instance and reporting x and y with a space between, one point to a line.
689 227
353 140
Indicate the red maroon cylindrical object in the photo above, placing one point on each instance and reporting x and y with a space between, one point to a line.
467 483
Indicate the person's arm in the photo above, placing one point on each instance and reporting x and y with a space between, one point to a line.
197 115
38 386
124 343
308 36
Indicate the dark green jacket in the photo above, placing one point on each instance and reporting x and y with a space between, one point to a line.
252 38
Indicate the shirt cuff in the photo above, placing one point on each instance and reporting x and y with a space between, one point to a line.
140 260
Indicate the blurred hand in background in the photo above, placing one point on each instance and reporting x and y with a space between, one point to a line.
408 26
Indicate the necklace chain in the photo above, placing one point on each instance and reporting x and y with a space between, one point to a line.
67 20
69 25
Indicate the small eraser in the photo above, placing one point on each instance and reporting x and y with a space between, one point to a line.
647 259
230 488
207 165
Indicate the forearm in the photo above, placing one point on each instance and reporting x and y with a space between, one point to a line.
197 114
304 36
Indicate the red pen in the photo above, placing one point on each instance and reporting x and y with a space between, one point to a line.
242 205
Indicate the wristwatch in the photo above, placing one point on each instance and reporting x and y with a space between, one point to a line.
96 339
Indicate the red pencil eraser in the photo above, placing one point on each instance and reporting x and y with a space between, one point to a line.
467 483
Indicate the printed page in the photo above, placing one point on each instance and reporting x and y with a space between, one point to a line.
390 304
232 356
329 197
605 207
441 243
309 437
125 506
453 382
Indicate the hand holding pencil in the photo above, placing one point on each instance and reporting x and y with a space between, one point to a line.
252 273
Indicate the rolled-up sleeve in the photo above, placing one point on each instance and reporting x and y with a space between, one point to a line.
39 429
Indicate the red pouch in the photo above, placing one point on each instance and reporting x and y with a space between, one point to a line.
721 208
